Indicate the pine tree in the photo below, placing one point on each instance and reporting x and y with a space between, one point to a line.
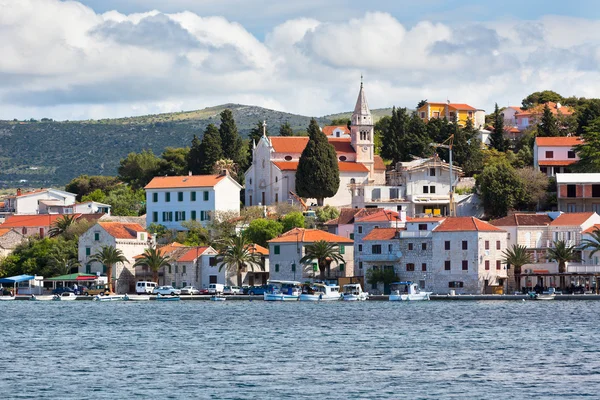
286 130
255 134
497 139
589 150
194 155
394 137
318 174
417 139
548 126
208 152
467 149
232 144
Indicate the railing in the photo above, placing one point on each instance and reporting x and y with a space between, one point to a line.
414 234
582 268
380 257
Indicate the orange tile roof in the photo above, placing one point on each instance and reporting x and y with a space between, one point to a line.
296 144
172 182
462 106
345 166
328 130
566 141
379 164
380 216
348 215
461 224
427 219
539 109
120 230
591 229
523 220
30 221
193 253
518 109
302 235
259 249
4 231
556 163
382 234
571 219
512 129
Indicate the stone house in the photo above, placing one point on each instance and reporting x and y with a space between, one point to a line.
9 240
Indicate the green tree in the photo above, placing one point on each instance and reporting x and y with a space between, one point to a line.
63 263
97 195
562 253
138 169
158 230
421 103
318 174
380 127
232 144
286 130
327 213
341 122
154 260
207 153
588 113
84 184
126 202
261 230
194 158
109 256
35 256
292 220
541 98
60 225
548 125
589 150
535 188
497 139
325 253
516 256
173 162
196 233
500 188
236 255
394 136
466 150
417 139
592 244
387 276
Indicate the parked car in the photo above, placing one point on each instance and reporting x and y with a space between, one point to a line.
231 290
166 290
256 290
203 291
189 290
62 289
145 287
216 288
97 289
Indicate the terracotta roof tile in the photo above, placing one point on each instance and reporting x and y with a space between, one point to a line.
4 231
539 109
382 234
192 254
572 219
379 165
120 230
328 130
566 141
296 144
426 219
462 106
546 163
347 215
260 250
460 224
309 236
380 216
30 221
345 166
172 182
523 220
591 229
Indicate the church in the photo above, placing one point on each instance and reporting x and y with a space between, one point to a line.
272 174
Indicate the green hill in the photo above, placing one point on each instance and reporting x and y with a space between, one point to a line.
51 153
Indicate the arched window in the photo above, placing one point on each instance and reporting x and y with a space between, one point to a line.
288 158
352 181
276 179
342 158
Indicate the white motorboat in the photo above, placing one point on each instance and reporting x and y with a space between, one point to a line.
408 291
218 298
7 298
34 297
353 292
136 297
282 291
162 297
320 292
549 295
65 296
110 297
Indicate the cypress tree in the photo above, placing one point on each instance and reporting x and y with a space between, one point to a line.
589 150
318 174
497 139
286 130
417 139
232 145
394 137
193 158
548 126
207 153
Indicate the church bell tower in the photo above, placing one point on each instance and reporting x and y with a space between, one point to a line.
362 131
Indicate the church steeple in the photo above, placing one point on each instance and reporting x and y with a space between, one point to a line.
362 114
362 131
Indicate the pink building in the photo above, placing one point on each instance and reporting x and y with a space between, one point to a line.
553 155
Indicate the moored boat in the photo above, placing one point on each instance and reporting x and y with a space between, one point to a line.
65 296
110 297
160 297
34 297
408 291
320 292
282 291
549 295
136 297
218 298
7 298
353 292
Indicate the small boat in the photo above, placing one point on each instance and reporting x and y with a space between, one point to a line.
353 292
282 291
320 292
33 297
407 291
136 298
549 295
66 296
7 298
160 297
109 297
218 298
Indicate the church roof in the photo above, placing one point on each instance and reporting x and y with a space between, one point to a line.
344 166
361 108
328 130
296 144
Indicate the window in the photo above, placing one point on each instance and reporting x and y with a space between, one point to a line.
571 207
179 196
193 215
497 245
425 189
455 284
170 271
176 270
343 158
360 265
192 196
447 265
465 245
447 245
342 267
432 189
154 216
487 244
469 114
154 197
276 249
487 265
88 269
422 114
212 261
423 266
352 236
423 246
212 279
88 251
167 197
276 267
288 158
179 215
422 227
431 171
360 229
549 154
571 191
410 246
276 197
167 216
97 236
206 195
595 190
342 249
104 269
360 247
276 179
293 267
183 269
465 265
376 249
570 154
498 264
410 267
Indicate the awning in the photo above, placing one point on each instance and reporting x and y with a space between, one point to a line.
540 271
69 277
17 279
87 278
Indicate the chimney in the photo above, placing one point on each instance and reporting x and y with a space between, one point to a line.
224 172
558 106
19 192
189 173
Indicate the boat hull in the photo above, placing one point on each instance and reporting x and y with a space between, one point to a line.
354 297
410 297
137 298
7 298
170 298
317 297
109 297
280 297
218 298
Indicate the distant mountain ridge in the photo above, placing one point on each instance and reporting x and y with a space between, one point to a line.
51 153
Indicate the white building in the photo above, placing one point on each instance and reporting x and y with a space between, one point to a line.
131 239
29 202
272 174
170 200
553 155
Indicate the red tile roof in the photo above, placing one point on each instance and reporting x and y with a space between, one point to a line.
379 165
120 230
566 141
539 109
380 216
30 221
296 144
460 224
259 249
309 236
427 219
518 109
345 166
328 130
571 219
591 229
523 220
193 253
462 106
546 163
382 234
4 231
172 182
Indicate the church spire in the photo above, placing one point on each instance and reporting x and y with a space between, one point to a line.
362 114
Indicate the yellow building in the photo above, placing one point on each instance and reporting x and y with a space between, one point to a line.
452 111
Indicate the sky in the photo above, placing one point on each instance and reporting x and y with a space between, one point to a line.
91 59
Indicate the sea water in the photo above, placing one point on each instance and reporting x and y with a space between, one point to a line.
329 350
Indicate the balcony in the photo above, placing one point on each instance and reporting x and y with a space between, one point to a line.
381 257
414 234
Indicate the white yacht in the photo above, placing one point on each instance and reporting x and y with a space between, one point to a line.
353 292
407 291
282 291
65 296
320 292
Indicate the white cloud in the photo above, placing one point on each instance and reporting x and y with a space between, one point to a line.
65 61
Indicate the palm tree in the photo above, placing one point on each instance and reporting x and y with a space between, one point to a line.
60 225
324 252
109 256
517 256
236 255
63 264
592 244
153 259
226 164
562 254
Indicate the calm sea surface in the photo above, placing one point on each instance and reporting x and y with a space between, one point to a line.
243 350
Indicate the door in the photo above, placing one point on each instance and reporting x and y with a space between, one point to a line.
251 279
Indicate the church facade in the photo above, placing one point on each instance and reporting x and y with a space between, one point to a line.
272 175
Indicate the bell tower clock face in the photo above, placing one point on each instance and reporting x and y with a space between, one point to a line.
365 149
